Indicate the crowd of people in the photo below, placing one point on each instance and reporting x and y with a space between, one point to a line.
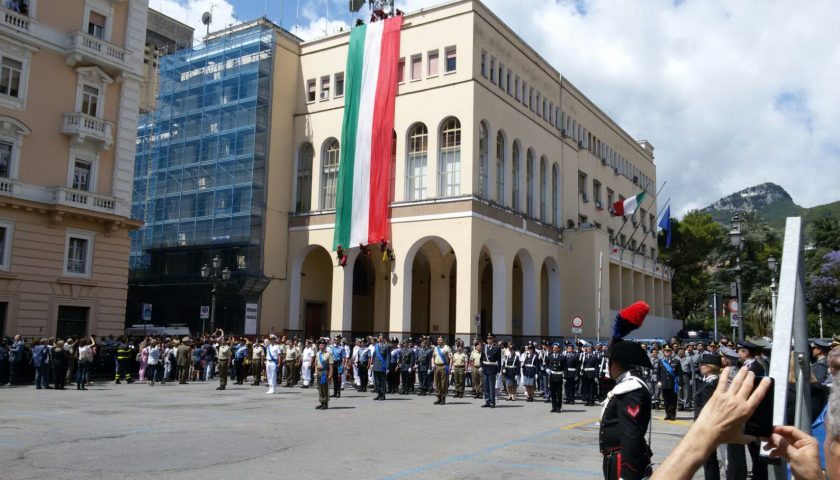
675 376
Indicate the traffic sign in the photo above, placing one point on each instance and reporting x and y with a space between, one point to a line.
733 322
733 306
478 321
205 312
147 312
577 331
577 321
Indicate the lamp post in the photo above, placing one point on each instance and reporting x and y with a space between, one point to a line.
774 289
217 278
819 310
735 237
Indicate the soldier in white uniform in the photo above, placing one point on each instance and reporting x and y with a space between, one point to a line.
272 362
306 363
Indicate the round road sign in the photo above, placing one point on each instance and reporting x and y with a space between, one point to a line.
577 321
733 305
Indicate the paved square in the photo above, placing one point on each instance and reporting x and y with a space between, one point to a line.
193 431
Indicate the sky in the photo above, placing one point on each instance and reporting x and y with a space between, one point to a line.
731 93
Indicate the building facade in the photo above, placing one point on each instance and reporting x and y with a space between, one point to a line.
69 90
503 176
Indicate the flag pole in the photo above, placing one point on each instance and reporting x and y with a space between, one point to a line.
626 216
630 238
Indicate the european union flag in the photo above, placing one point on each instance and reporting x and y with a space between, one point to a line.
665 224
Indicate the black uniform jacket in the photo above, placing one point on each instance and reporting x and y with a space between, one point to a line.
555 363
705 390
590 365
666 378
624 424
491 359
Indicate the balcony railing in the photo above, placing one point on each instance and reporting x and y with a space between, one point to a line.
14 20
95 50
8 187
81 199
87 128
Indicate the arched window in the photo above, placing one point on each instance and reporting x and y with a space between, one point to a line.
303 198
529 186
449 182
515 176
543 193
501 171
417 160
329 173
555 195
483 160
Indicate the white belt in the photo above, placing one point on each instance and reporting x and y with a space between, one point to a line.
572 369
489 363
589 369
556 371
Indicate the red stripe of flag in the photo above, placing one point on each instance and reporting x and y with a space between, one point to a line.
383 127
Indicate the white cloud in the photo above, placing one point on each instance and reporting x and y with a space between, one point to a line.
190 11
731 94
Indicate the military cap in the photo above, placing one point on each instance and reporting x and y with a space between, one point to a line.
667 348
709 359
820 343
490 335
729 353
747 345
530 346
629 354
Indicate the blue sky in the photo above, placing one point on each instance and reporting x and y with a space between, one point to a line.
731 93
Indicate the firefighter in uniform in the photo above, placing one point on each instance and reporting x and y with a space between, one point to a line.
589 365
124 352
626 415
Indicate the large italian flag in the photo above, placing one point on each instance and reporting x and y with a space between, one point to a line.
364 171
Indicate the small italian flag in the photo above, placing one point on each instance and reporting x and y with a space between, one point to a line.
364 172
628 205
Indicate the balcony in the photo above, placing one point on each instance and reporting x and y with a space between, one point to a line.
89 49
14 20
86 128
8 187
86 200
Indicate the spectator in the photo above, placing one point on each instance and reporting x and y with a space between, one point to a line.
85 360
41 362
15 360
61 358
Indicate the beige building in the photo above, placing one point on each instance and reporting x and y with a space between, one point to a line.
504 173
69 91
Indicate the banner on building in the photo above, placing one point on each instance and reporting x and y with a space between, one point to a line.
251 310
364 171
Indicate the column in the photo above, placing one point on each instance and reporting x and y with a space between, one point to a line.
341 314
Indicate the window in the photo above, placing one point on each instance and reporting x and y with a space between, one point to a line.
596 194
303 199
432 63
78 249
10 74
539 106
550 113
71 322
417 162
416 67
515 176
82 175
21 7
90 100
329 173
501 171
524 93
509 83
5 159
529 182
449 183
543 183
516 87
582 186
310 90
96 25
611 233
325 87
643 219
484 64
610 198
493 70
531 104
6 229
339 84
401 71
652 223
451 59
483 161
501 76
555 195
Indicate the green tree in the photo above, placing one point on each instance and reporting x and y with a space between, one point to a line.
826 232
694 239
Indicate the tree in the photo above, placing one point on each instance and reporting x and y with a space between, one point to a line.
824 286
760 316
826 232
694 239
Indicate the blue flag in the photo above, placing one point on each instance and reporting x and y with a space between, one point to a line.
665 224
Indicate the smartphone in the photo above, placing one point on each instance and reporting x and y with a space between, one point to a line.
760 423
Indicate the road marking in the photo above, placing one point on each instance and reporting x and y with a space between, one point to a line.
582 423
683 423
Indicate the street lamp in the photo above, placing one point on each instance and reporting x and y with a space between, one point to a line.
774 289
218 279
735 237
820 309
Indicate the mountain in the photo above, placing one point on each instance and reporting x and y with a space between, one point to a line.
772 202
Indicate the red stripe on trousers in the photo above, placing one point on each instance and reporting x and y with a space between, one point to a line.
383 127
